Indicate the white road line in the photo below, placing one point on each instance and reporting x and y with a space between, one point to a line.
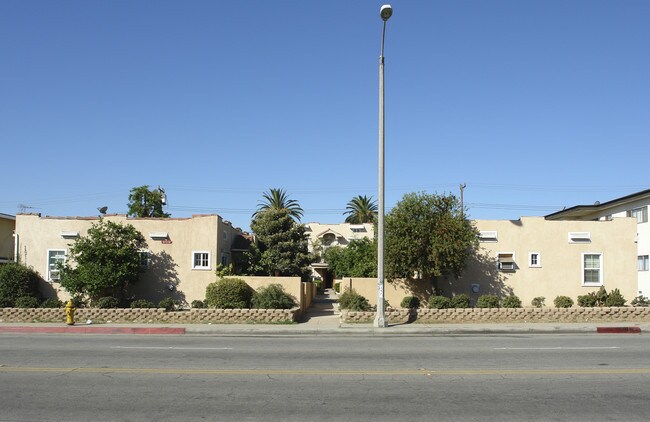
171 348
557 348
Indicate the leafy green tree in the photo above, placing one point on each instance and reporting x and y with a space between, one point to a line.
278 199
361 209
357 259
281 245
144 202
427 236
105 262
17 281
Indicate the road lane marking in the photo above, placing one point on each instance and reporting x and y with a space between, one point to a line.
334 372
557 348
170 348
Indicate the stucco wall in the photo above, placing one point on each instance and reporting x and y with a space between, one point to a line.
560 272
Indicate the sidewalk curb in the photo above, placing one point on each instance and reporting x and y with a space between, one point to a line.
91 330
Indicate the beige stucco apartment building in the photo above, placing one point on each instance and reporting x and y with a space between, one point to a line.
635 206
533 257
7 226
323 236
180 258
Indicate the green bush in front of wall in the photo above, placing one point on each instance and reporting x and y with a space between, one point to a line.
353 301
563 302
615 298
142 303
52 303
511 301
168 304
27 302
229 293
460 301
587 301
487 301
538 302
439 302
272 296
410 302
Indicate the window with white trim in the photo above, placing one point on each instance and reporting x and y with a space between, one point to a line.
592 269
641 214
643 262
54 258
200 260
534 260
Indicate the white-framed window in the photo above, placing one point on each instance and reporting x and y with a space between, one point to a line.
643 263
144 258
592 269
201 260
54 258
641 214
506 261
534 260
487 236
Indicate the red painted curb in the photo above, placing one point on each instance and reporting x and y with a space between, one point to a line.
616 330
92 330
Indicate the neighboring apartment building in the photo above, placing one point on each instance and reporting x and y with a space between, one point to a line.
7 227
323 236
534 256
635 206
180 259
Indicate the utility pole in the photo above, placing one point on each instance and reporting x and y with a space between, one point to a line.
462 207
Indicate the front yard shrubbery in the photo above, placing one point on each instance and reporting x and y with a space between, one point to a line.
487 301
17 281
563 302
439 302
410 302
229 293
272 296
353 301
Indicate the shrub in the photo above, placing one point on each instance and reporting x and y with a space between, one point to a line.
460 301
511 301
337 287
487 301
353 301
563 302
410 302
640 301
107 302
587 301
168 303
198 304
538 302
78 302
17 281
27 302
439 302
615 298
229 293
601 296
52 303
142 303
272 296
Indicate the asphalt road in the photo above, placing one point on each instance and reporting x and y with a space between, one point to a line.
312 378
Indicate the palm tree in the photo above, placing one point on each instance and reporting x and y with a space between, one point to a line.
278 199
361 209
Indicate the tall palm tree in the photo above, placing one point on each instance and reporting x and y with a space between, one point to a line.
361 209
278 199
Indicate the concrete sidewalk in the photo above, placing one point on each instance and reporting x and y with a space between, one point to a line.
322 318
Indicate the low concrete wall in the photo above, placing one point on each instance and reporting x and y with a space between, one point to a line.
159 315
503 315
394 291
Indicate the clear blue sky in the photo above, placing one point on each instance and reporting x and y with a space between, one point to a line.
535 105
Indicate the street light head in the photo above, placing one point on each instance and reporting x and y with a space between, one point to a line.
386 12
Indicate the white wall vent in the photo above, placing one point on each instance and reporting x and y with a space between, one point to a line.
69 235
159 235
579 237
487 236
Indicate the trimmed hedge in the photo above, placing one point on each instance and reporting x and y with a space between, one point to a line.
563 302
460 301
229 293
439 302
410 302
353 301
272 296
487 301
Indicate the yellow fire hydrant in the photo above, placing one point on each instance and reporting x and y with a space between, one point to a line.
69 312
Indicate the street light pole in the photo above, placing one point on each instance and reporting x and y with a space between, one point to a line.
385 12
